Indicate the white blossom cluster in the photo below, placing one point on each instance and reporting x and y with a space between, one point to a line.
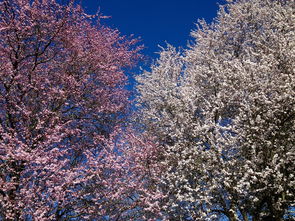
224 112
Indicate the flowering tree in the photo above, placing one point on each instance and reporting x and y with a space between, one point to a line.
224 113
62 103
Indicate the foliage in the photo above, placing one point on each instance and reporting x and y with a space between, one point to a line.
63 152
224 114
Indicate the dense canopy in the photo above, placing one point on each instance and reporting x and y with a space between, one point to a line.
210 135
224 112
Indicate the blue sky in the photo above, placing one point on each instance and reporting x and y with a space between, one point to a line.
155 21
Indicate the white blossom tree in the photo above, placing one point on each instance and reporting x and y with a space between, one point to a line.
224 112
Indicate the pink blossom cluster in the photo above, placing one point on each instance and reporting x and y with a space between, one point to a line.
62 104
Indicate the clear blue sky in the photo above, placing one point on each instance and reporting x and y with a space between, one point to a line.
155 21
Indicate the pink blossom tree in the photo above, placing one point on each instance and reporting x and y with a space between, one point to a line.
62 101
